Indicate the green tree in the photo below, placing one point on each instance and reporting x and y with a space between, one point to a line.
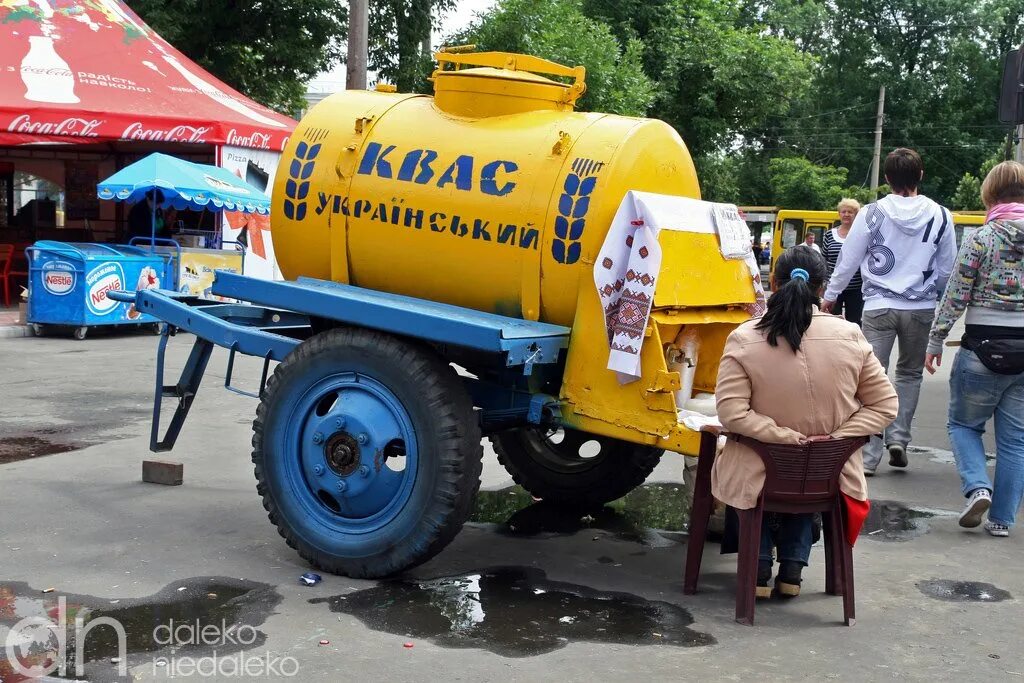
399 40
720 77
940 63
968 191
799 183
864 195
719 178
558 30
267 50
968 194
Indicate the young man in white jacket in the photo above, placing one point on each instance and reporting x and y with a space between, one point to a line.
905 247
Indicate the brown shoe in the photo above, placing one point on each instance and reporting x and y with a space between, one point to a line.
764 575
787 583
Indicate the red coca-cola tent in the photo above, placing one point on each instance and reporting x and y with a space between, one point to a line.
92 71
86 88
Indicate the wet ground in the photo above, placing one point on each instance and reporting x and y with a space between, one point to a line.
653 515
893 521
963 591
192 618
934 602
516 612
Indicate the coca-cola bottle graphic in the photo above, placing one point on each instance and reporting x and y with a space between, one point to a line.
47 77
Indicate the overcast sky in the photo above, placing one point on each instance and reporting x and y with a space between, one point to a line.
457 19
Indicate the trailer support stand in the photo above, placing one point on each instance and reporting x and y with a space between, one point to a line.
185 390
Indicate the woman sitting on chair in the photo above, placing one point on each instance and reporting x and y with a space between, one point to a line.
793 376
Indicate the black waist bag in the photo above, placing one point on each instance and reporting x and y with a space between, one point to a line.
1001 356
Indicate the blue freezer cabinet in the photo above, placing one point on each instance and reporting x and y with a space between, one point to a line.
68 284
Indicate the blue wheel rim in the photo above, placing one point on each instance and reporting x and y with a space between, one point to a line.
344 438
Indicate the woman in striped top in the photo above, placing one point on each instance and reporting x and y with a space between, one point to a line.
850 303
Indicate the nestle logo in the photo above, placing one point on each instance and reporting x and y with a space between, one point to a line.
255 140
192 134
71 126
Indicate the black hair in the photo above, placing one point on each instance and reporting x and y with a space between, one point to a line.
790 305
903 169
156 195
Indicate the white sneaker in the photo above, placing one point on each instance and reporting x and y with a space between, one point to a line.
978 504
997 529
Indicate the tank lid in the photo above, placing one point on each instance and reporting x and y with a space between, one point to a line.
500 83
505 74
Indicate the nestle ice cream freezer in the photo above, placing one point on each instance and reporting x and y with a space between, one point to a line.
68 284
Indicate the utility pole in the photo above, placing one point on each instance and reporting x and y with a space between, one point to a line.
358 44
876 161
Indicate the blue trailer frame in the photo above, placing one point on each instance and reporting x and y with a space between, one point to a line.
279 315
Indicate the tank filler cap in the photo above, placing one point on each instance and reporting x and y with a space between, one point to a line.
499 83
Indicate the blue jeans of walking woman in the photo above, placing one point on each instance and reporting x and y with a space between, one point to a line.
977 395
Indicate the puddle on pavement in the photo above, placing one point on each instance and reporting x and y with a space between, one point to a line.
27 442
515 612
939 455
962 591
892 521
653 514
191 618
15 448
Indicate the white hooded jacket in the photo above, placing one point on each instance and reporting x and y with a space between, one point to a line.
905 248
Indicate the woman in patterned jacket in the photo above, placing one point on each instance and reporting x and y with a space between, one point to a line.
988 283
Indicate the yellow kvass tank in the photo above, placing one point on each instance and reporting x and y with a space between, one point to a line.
495 195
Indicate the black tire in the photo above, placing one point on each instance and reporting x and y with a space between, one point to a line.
557 472
445 461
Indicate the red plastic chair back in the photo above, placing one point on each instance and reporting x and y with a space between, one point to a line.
801 476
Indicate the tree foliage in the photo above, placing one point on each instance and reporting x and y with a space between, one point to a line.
558 30
968 194
267 50
938 59
719 76
796 182
399 37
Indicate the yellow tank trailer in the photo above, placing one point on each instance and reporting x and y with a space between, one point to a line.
421 234
495 195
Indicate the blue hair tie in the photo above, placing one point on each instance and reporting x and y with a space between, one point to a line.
800 274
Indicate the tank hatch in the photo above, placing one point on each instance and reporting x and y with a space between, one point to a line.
500 83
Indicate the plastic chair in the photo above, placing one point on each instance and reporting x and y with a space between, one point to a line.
798 479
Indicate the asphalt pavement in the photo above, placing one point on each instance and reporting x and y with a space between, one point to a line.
592 599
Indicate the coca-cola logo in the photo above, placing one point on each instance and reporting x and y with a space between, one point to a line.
192 134
71 126
253 140
47 71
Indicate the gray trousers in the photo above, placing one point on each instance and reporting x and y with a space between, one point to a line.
882 328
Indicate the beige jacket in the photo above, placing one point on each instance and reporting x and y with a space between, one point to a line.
833 385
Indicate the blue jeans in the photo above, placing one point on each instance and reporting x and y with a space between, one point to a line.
791 534
976 394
